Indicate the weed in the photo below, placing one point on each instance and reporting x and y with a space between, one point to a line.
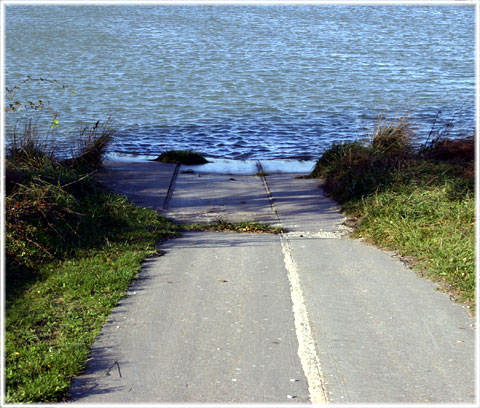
244 226
48 212
27 104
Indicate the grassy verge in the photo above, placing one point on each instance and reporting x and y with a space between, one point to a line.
72 249
418 200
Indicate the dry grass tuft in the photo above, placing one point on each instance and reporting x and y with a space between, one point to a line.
392 135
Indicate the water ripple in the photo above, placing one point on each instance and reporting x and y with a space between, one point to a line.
245 81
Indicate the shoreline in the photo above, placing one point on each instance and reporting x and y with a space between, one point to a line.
230 166
102 265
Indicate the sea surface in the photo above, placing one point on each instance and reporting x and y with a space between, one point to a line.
240 82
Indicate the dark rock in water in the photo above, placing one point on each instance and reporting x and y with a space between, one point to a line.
181 157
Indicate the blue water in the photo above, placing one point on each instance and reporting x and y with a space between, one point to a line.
243 82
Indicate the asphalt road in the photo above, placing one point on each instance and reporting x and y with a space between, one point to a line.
306 316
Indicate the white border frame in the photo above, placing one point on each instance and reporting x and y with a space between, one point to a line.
470 3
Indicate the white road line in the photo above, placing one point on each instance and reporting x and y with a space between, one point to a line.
306 345
319 234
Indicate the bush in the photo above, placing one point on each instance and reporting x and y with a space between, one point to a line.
460 150
347 170
46 211
356 169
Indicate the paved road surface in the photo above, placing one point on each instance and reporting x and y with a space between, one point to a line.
307 316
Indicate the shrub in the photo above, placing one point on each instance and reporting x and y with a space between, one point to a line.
460 150
352 169
45 203
355 169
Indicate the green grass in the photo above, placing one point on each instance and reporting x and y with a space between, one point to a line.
181 157
427 223
73 248
226 226
52 324
416 201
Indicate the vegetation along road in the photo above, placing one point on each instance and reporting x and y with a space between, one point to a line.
297 312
